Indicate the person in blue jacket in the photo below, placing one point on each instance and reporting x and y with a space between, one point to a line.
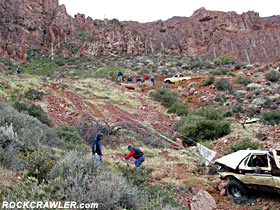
96 147
120 75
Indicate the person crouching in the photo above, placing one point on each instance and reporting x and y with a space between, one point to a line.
138 155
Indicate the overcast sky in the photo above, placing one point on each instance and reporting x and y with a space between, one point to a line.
151 10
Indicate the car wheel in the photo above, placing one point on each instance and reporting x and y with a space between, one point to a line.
238 191
168 82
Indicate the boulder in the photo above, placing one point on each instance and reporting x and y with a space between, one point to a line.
203 201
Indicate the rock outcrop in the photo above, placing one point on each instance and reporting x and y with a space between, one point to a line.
40 24
203 201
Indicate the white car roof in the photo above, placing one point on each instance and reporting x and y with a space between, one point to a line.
233 160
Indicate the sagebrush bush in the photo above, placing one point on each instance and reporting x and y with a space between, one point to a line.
272 117
153 195
179 109
34 111
242 80
201 125
223 84
272 76
38 164
164 96
224 60
9 147
30 131
221 71
33 94
109 72
209 81
70 135
27 189
79 178
243 145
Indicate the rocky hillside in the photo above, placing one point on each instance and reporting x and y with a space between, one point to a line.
29 24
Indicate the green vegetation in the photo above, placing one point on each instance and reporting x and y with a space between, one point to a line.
179 109
224 60
34 111
202 124
272 76
272 116
221 71
110 72
209 81
33 94
70 135
243 145
242 80
164 96
38 164
223 84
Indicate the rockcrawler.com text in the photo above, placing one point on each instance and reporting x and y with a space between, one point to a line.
48 205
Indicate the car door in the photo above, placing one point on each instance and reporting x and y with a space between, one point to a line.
256 170
275 168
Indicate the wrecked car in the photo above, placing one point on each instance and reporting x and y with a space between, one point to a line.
250 169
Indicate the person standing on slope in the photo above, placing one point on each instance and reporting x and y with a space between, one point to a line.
146 78
18 71
120 75
96 147
138 155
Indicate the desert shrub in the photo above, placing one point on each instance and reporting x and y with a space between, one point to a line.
272 116
27 188
243 145
38 164
9 147
224 60
8 64
203 129
221 71
242 80
109 72
70 135
237 66
209 113
164 96
41 67
203 124
155 194
209 81
33 94
30 131
34 111
272 76
223 84
232 110
179 109
79 178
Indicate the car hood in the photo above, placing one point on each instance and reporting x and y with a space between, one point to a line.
233 160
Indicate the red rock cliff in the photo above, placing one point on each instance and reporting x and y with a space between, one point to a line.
27 24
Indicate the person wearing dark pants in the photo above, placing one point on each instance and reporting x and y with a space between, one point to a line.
96 147
18 71
138 155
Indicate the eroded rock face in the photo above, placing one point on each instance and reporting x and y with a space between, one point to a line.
26 24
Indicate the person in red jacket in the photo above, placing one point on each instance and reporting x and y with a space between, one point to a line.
138 155
146 78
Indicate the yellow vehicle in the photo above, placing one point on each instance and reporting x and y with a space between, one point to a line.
176 78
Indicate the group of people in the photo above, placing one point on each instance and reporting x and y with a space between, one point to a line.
138 79
134 152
